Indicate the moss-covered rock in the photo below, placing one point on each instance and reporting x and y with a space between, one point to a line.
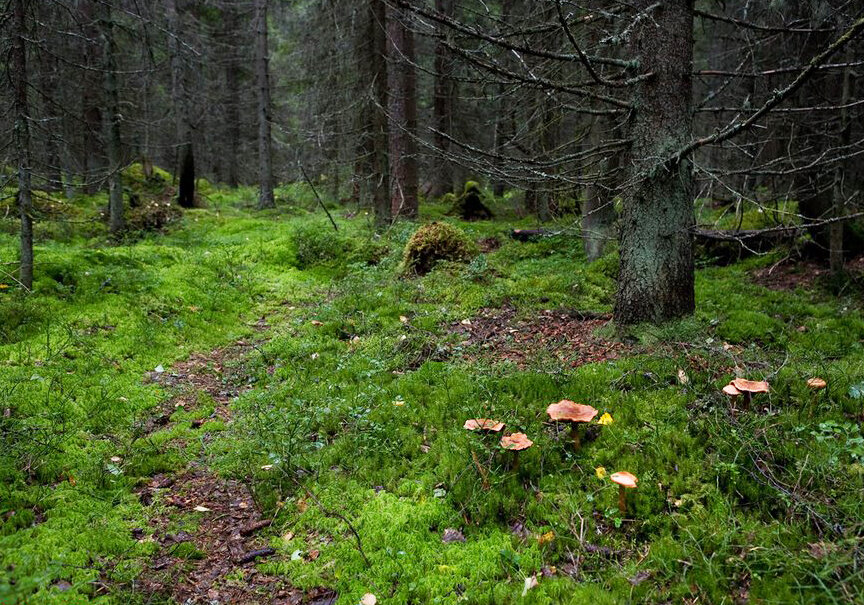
432 243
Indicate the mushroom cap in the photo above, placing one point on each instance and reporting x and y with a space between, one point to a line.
730 390
516 442
624 478
571 412
816 383
483 424
750 386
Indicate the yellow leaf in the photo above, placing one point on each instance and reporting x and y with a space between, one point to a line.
605 419
546 538
600 471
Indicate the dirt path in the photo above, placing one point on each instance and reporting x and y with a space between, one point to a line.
212 558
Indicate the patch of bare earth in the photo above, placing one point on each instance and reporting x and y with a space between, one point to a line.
219 517
791 274
569 336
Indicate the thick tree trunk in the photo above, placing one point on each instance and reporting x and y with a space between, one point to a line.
22 141
402 108
265 160
442 110
656 279
185 166
371 165
115 145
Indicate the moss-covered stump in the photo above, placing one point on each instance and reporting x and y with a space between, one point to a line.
432 243
153 215
469 206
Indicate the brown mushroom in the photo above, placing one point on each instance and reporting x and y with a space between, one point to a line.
625 481
750 386
730 390
484 425
574 413
516 442
816 384
747 388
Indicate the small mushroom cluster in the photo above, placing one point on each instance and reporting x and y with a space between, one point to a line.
578 415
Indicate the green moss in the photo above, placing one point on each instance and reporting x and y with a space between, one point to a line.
744 326
366 410
433 243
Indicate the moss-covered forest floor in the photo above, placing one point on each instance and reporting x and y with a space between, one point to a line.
251 408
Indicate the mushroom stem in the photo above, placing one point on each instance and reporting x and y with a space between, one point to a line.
577 438
480 469
515 465
622 500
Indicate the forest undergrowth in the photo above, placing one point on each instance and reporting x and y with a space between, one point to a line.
341 417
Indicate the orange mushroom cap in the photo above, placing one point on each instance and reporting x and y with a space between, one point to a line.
572 412
516 442
750 386
730 390
816 384
483 424
624 478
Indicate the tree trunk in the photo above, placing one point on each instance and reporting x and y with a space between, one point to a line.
115 145
265 160
185 168
598 210
442 110
93 164
371 165
402 108
232 100
839 200
22 142
656 279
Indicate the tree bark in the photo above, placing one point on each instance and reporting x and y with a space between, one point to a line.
835 251
442 110
179 99
115 144
656 277
598 210
265 159
232 101
91 104
402 109
22 141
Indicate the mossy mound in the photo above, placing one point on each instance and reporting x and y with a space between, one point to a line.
141 179
469 206
432 243
154 215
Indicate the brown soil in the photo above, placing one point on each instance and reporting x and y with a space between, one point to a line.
226 535
568 336
791 274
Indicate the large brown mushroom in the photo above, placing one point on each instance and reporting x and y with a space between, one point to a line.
625 481
740 386
516 442
576 414
484 425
